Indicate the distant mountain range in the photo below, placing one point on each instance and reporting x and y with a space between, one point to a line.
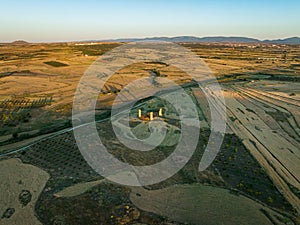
217 39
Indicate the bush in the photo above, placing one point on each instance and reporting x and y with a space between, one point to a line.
15 135
56 64
270 200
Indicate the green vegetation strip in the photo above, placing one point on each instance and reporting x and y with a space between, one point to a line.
55 64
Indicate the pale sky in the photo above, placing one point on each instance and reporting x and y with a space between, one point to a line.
56 20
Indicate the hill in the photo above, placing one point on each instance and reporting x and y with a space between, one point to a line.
216 39
20 42
292 40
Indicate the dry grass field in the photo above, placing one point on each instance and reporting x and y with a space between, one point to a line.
200 204
22 184
35 71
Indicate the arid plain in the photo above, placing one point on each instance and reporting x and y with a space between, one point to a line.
258 166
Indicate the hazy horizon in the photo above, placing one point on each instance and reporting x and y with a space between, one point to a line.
120 38
56 21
